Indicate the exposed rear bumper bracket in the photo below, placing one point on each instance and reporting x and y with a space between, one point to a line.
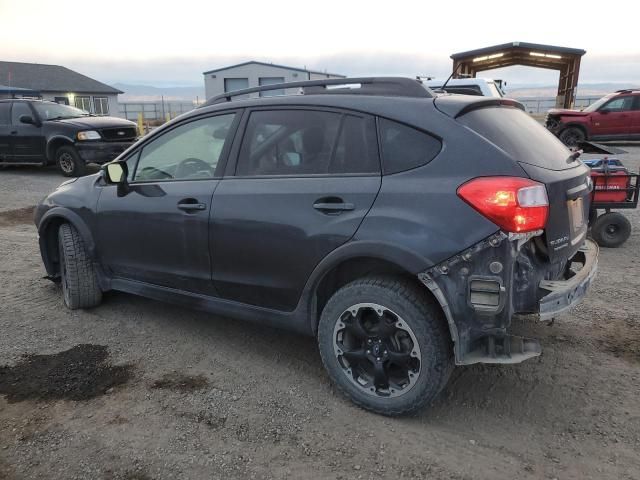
563 294
502 350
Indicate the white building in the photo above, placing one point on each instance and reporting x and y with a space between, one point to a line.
255 74
59 84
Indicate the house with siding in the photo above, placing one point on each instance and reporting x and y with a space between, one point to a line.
62 85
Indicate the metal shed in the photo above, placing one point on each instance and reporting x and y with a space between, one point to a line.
566 60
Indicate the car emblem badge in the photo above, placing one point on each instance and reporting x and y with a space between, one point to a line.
120 132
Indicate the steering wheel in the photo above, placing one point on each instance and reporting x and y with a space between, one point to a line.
191 166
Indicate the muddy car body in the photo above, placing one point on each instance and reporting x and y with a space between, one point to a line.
405 240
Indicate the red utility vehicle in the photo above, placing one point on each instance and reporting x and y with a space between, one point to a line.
614 117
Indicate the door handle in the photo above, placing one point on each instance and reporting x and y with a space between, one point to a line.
14 132
190 205
333 205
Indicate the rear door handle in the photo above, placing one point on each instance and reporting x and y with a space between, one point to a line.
333 207
191 204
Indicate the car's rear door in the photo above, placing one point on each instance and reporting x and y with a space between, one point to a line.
27 139
157 232
303 182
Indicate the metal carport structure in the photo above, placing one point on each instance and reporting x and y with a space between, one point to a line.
566 60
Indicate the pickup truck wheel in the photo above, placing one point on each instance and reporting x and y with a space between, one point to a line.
572 136
385 344
80 287
69 162
611 230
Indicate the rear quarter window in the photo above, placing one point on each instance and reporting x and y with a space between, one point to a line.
404 147
519 135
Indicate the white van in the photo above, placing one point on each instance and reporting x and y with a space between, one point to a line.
468 86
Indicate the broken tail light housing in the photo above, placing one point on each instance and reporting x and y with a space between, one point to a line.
515 204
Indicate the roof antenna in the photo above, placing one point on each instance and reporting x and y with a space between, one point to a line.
455 70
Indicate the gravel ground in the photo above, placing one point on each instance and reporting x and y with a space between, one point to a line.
164 392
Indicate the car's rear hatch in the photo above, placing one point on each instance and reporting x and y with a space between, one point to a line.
544 159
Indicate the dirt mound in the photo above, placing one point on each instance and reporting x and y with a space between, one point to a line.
16 217
80 373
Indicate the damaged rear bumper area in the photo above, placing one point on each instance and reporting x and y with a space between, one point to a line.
484 287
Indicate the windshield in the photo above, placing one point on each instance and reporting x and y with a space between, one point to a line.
598 103
54 111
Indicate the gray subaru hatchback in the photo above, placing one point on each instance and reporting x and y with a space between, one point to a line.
402 228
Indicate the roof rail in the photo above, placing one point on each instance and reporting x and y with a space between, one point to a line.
628 90
384 86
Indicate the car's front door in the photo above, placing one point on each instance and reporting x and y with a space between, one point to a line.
613 118
303 182
27 139
158 232
5 131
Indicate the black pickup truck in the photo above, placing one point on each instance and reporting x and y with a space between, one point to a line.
41 132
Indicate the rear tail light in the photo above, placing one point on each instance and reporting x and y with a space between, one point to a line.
515 204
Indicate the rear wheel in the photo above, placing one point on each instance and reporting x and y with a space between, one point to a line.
611 230
386 345
69 162
80 287
572 136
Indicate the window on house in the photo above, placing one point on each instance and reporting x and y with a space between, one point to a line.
101 105
83 103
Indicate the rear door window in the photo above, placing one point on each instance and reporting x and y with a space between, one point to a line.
404 147
307 142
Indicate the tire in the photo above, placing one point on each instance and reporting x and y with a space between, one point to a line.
611 230
69 162
350 347
572 136
80 287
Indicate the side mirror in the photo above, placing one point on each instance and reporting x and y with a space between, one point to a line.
604 110
28 119
115 173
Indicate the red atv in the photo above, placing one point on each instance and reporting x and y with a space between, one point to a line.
614 117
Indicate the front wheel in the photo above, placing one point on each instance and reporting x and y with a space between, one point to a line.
611 230
69 162
385 344
572 136
79 280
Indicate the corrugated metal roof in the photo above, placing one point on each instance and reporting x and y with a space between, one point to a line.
255 62
50 78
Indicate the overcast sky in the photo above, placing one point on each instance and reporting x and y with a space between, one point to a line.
173 42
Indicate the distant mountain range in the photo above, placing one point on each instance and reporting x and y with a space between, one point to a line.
584 89
139 93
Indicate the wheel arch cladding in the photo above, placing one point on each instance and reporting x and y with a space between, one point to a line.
48 232
55 143
345 270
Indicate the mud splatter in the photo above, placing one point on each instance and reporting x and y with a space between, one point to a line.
16 217
80 373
